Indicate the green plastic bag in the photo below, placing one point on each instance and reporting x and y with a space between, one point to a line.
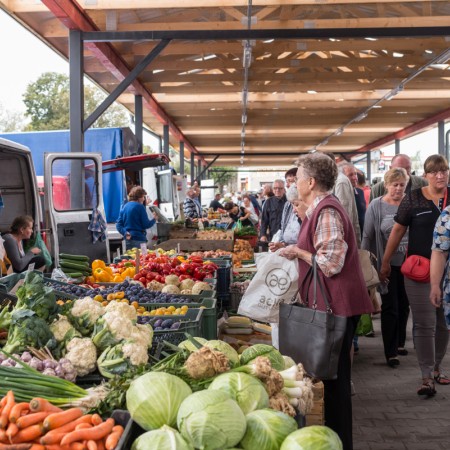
39 243
364 326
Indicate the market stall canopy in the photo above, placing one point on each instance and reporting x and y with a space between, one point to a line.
264 80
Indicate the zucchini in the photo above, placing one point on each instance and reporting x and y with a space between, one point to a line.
71 269
74 274
74 257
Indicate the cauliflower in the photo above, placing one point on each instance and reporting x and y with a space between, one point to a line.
155 285
82 354
142 334
200 286
186 292
188 283
172 279
87 305
111 329
136 353
170 289
61 327
123 309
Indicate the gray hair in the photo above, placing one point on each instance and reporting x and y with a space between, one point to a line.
279 180
344 165
292 193
320 167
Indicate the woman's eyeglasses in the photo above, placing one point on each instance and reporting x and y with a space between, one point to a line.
435 173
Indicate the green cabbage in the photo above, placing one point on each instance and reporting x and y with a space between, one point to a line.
211 420
165 438
315 437
247 391
226 349
288 362
267 429
154 398
276 359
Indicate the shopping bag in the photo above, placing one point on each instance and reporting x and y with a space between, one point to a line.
275 282
39 243
364 326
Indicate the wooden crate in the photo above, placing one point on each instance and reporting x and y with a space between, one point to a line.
316 415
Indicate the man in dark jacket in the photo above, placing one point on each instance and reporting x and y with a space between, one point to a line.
272 212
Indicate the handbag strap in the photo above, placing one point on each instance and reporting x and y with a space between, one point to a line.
317 281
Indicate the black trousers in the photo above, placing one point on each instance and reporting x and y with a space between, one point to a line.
394 314
337 393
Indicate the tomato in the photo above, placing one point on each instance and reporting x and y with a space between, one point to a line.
137 277
175 262
184 277
143 280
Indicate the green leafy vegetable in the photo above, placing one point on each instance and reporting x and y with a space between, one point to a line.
267 429
226 349
275 357
154 399
211 420
315 437
246 390
165 438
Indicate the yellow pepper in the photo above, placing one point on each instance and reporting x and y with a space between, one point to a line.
101 275
129 272
109 270
117 278
98 264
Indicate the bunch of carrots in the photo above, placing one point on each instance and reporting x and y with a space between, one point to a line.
39 425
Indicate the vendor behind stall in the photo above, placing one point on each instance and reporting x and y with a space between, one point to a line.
238 214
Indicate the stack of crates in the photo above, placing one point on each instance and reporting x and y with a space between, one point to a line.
224 280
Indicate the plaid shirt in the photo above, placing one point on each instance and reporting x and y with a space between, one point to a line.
329 242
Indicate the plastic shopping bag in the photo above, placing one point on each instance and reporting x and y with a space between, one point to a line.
275 282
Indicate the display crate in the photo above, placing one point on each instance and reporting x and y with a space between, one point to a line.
131 429
209 320
189 325
60 293
316 415
235 299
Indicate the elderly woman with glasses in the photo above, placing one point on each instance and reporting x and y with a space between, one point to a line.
417 214
328 233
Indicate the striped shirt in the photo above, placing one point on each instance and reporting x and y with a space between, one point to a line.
329 242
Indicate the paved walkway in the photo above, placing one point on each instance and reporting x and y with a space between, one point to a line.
387 412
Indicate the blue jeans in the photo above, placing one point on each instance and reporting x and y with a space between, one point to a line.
132 243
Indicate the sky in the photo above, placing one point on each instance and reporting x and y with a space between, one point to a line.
28 58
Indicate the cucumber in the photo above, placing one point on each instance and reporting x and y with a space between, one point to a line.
76 267
71 269
74 274
83 264
74 257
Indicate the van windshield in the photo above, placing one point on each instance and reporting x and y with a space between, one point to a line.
74 184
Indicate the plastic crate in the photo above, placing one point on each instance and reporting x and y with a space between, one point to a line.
191 325
131 429
209 320
60 293
235 299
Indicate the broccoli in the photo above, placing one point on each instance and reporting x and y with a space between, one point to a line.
35 296
5 318
27 330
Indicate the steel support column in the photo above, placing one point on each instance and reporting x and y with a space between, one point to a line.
441 137
447 145
192 169
76 102
199 171
166 142
397 146
200 176
369 167
138 122
181 154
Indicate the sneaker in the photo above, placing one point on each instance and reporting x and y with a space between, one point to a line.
370 334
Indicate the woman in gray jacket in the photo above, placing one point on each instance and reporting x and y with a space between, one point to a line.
377 228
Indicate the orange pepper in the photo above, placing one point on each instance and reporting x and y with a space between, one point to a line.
98 264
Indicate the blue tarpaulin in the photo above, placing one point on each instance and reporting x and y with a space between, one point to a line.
107 141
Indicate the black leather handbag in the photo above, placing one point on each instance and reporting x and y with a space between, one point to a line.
311 337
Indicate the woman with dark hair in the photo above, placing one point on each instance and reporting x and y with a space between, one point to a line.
133 220
328 234
22 229
238 214
417 214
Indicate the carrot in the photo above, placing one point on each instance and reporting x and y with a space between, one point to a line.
4 417
94 433
28 434
58 419
11 431
15 446
78 446
82 426
91 445
31 419
96 419
57 447
71 425
51 438
114 437
37 447
17 411
40 404
100 445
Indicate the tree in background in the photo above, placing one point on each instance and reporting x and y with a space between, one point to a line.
47 104
10 120
221 179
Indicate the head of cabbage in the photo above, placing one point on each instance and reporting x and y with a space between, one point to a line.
246 390
188 344
267 429
275 357
211 420
315 437
226 349
153 399
165 438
